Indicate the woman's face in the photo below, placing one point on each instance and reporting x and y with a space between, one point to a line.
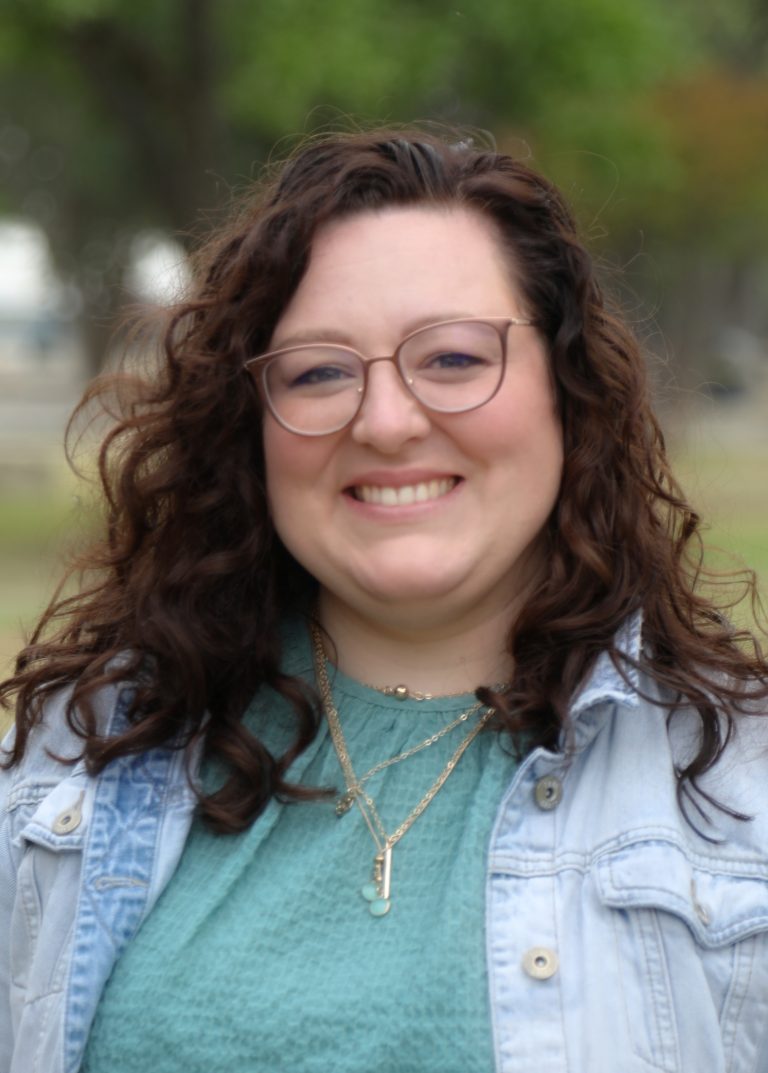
492 474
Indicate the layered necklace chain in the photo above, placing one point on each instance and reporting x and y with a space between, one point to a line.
402 692
377 892
347 799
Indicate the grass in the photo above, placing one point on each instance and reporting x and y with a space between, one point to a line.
731 493
36 532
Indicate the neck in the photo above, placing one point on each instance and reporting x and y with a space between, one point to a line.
444 658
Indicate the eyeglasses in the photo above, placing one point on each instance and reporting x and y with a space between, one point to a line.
314 389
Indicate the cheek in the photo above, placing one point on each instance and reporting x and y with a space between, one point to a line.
523 429
294 466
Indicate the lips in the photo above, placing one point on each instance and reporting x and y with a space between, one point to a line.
403 495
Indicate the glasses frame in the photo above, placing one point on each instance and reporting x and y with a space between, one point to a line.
257 367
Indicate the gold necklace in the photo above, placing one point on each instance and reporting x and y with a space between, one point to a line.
378 891
402 692
347 799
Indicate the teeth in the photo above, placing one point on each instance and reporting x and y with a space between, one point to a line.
406 493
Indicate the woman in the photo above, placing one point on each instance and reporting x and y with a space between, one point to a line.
392 731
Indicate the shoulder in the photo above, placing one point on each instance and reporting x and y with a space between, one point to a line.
53 733
53 746
49 798
737 780
632 743
728 801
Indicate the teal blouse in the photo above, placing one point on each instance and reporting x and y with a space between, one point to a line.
262 954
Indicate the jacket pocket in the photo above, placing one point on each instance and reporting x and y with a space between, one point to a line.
688 929
60 819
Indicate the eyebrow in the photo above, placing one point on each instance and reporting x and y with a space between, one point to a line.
338 335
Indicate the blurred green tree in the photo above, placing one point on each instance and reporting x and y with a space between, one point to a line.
129 115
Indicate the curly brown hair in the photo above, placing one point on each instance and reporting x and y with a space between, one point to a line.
190 582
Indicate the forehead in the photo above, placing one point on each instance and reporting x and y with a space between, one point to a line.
380 274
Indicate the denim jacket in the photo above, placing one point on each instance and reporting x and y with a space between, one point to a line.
619 938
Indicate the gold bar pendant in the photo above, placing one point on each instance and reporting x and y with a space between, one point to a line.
386 872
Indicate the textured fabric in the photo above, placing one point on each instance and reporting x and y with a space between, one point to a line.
262 955
656 937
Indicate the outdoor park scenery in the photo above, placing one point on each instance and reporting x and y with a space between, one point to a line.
127 127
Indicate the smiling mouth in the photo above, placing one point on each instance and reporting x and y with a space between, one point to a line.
405 495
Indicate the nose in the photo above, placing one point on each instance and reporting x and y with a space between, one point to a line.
390 415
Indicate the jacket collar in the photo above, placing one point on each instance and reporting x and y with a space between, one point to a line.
606 684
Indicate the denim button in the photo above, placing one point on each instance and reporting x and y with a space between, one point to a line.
69 819
540 963
548 792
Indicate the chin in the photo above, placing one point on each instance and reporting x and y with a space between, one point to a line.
413 587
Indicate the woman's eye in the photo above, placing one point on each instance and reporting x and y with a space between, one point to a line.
453 359
320 374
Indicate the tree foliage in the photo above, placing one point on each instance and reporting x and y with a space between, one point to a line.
126 115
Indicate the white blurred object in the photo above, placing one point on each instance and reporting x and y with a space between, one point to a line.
159 270
37 310
29 286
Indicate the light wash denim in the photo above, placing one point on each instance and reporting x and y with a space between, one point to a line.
619 940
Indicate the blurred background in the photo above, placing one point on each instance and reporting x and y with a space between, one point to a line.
126 126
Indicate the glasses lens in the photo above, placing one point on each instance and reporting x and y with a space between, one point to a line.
453 367
314 389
